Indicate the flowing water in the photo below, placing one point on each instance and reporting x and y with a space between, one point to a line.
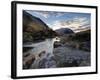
47 46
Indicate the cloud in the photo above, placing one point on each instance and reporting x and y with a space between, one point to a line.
58 25
58 14
42 13
76 23
47 14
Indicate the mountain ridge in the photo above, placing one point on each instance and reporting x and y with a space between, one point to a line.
63 31
35 29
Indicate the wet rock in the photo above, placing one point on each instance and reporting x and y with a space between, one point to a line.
47 63
69 57
28 60
35 64
57 44
43 53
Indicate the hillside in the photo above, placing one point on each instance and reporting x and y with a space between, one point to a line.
80 40
34 29
82 36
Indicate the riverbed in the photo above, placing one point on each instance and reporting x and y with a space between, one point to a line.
46 56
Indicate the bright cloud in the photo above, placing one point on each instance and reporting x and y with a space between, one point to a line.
47 14
75 24
58 25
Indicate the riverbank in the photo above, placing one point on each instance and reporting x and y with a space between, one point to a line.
71 57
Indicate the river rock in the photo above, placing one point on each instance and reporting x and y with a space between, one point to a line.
47 63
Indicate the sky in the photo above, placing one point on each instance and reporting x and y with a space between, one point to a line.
56 20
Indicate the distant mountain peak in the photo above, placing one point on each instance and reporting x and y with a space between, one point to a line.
63 31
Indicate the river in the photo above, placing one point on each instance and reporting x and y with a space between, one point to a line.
46 49
46 46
